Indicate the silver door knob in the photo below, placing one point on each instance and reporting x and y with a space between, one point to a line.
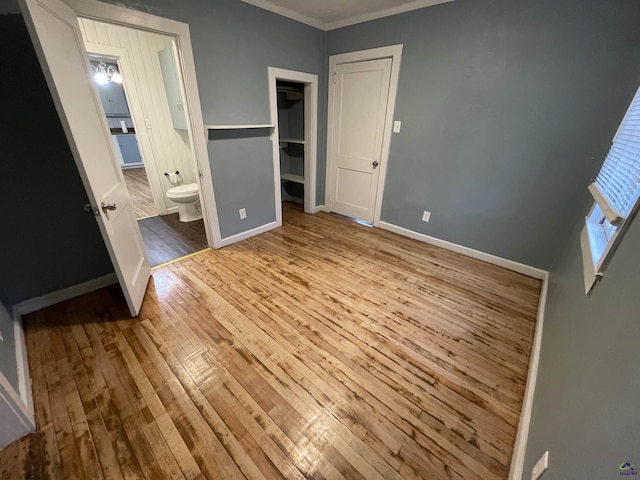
107 206
375 164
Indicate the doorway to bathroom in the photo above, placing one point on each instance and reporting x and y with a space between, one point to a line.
136 75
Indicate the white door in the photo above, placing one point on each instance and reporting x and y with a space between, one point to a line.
54 29
359 114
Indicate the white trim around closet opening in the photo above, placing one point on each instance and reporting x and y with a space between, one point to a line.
198 143
395 53
310 82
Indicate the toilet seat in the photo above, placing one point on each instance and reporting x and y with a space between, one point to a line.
183 191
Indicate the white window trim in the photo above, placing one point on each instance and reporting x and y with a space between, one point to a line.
593 233
597 241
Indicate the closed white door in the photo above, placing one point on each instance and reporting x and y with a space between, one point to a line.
359 109
54 29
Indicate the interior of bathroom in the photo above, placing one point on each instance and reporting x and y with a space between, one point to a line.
137 77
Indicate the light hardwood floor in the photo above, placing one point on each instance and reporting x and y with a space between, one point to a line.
139 192
320 350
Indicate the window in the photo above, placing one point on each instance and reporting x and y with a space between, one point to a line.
616 191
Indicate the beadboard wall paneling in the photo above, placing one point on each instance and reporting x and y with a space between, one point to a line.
167 148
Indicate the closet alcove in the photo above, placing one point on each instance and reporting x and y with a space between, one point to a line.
291 139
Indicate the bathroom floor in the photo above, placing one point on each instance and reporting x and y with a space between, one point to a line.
140 192
165 237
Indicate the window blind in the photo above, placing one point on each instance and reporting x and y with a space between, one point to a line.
617 185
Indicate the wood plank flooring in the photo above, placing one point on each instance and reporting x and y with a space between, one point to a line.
167 238
139 192
320 350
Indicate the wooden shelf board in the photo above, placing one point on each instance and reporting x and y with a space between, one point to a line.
239 127
289 177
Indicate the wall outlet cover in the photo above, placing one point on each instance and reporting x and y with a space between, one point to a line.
396 126
426 216
540 467
243 213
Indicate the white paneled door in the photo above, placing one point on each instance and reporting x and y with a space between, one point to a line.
54 29
359 113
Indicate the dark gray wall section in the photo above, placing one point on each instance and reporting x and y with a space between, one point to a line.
233 45
8 360
507 108
585 410
243 157
47 242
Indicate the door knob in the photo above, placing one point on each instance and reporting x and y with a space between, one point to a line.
375 164
107 206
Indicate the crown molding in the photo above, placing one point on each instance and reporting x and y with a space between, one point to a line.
285 12
387 12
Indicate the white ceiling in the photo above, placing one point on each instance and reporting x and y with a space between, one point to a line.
331 14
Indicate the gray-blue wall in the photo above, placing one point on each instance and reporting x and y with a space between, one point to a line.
585 410
233 45
47 242
507 109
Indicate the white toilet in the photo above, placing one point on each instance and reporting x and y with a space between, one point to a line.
188 200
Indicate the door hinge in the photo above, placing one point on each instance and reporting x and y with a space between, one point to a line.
334 77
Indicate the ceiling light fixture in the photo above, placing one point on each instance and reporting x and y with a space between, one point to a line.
103 74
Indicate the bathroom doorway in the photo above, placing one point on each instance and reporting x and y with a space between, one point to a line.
135 74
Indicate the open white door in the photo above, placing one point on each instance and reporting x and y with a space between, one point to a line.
54 30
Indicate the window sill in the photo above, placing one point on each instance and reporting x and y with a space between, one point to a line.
591 275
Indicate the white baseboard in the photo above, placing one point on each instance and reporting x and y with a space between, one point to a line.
172 210
38 303
520 447
248 234
469 252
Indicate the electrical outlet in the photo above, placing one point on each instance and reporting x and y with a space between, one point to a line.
396 126
1 337
147 123
426 216
540 467
243 213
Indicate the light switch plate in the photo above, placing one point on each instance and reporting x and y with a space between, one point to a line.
426 216
540 467
396 126
243 213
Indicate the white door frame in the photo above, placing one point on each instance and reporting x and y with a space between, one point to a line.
310 82
17 401
104 12
18 415
121 57
395 53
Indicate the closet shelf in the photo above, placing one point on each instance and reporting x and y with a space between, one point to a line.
292 140
239 127
289 177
